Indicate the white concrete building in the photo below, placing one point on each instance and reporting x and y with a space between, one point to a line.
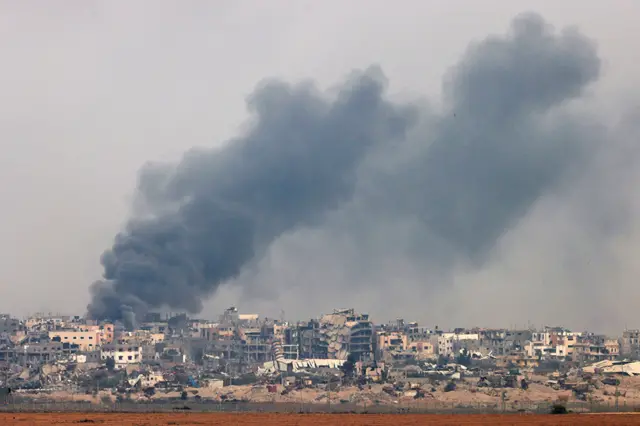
122 354
445 344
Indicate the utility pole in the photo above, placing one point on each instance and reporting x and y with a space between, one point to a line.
617 393
617 388
329 393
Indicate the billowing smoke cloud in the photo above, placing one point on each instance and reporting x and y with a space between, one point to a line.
495 149
203 219
462 178
494 155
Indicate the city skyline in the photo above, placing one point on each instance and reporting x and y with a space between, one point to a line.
283 319
125 89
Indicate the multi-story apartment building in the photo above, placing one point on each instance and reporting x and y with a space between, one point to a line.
122 354
630 344
335 336
86 340
392 341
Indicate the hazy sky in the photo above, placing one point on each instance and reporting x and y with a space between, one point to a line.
92 90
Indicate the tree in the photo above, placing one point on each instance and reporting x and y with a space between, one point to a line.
384 375
110 363
464 358
451 386
442 360
181 377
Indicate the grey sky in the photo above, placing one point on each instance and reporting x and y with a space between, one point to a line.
92 90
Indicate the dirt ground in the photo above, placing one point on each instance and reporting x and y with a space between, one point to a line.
467 394
312 419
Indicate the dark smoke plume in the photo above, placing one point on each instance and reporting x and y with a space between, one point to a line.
492 152
475 171
206 217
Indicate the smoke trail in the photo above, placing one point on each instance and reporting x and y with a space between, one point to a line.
467 176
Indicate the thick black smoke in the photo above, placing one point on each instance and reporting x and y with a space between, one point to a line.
476 170
214 211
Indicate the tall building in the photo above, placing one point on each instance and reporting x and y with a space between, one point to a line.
630 343
345 332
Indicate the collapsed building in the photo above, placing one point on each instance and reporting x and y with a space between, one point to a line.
324 344
280 364
335 336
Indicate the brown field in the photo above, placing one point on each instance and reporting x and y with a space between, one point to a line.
153 419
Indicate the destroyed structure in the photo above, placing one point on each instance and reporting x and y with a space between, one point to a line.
172 352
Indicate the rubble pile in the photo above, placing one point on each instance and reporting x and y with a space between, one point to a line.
242 358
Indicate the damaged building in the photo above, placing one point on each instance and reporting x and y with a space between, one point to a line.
338 335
